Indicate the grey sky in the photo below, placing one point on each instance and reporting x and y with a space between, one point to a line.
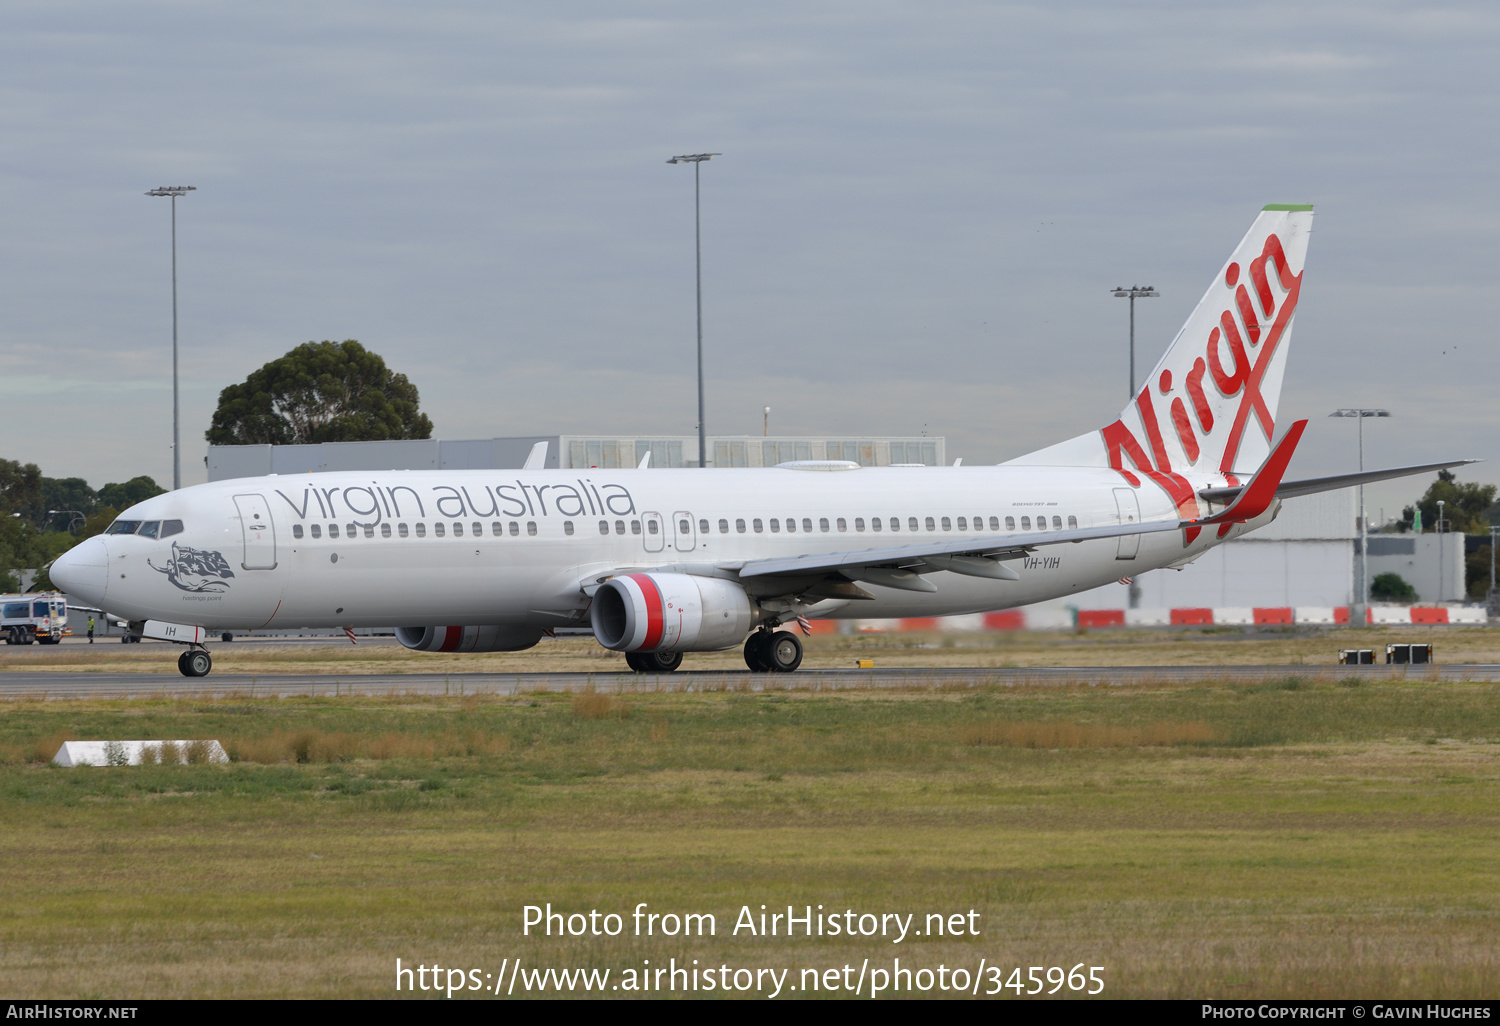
916 221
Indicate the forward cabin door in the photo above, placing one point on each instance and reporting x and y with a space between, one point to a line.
655 532
260 536
1129 510
682 531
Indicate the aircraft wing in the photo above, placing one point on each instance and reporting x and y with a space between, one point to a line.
900 566
1312 485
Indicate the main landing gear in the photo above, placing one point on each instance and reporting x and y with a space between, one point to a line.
195 662
773 651
653 662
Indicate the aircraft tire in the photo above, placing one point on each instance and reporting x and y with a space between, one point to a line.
755 652
784 652
661 662
197 663
633 660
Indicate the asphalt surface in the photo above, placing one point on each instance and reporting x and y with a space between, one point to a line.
14 685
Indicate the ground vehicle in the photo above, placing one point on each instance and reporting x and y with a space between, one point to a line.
40 617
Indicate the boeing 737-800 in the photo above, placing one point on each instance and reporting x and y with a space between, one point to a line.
662 562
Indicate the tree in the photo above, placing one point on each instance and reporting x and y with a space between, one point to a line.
319 392
21 491
1477 572
137 489
1392 588
1466 508
67 493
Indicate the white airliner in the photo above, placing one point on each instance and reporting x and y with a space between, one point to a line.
658 563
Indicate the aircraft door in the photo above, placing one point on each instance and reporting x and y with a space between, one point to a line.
260 535
1129 510
655 535
682 531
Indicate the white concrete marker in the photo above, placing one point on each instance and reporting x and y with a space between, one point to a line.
127 753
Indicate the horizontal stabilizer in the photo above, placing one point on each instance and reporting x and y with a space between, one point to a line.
1256 497
1313 485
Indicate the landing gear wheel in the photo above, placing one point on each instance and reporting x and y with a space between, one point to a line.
784 652
195 663
653 662
755 648
662 662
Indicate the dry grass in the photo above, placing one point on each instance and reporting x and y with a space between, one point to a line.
593 705
1209 647
325 746
1085 735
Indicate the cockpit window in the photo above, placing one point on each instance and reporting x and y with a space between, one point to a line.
149 529
124 527
169 528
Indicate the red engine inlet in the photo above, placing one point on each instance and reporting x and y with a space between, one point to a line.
670 612
486 638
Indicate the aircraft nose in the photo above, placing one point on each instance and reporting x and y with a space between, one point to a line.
83 571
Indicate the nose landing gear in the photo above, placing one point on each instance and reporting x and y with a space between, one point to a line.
768 651
195 662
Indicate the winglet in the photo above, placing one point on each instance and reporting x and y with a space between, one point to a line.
1256 497
538 458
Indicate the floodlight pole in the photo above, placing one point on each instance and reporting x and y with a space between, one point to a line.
174 191
1133 293
696 159
1362 610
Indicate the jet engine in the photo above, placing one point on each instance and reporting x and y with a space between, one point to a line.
670 613
484 638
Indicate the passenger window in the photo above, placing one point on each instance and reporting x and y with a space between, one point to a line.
759 527
930 525
652 527
604 526
478 529
1041 523
437 529
823 524
963 525
369 530
1072 523
170 527
684 527
567 527
385 530
620 527
875 523
739 527
317 532
333 530
635 527
896 524
149 528
458 529
123 527
421 530
531 528
1025 523
911 523
1057 523
296 530
401 530
724 527
807 525
703 526
791 525
515 529
775 526
496 528
1010 523
995 523
843 525
351 530
947 524
859 523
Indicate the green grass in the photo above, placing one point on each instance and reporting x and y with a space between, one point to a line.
1294 838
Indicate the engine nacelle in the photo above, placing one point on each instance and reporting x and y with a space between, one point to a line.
484 638
670 613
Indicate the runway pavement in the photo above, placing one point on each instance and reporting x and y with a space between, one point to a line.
21 685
